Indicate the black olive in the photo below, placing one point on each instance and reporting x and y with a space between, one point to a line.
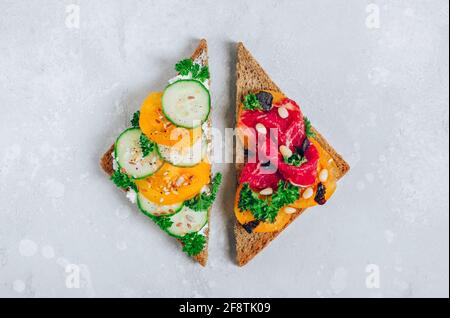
320 194
250 226
265 99
305 145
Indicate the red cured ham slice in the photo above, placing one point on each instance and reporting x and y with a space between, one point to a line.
306 174
288 131
259 177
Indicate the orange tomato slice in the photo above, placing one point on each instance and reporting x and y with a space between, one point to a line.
244 217
170 184
325 162
159 129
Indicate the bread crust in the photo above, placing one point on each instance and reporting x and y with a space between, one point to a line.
252 77
106 161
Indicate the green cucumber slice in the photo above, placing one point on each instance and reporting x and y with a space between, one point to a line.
187 157
186 103
129 156
187 221
153 209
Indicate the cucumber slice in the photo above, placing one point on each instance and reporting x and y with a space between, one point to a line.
153 209
187 221
187 157
186 103
130 159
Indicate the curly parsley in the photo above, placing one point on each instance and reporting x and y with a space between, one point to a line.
308 128
135 119
251 102
193 243
203 201
198 72
295 160
267 209
123 181
147 145
163 222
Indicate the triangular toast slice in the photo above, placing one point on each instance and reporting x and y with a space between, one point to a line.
252 77
200 55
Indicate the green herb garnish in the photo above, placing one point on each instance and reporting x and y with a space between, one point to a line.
187 66
135 119
251 102
308 128
163 222
147 145
295 160
267 209
123 181
193 243
203 201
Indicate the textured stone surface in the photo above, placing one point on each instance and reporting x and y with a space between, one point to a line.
378 92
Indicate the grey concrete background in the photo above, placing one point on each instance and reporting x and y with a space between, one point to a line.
378 92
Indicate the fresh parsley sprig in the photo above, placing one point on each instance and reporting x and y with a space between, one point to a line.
295 160
308 128
123 181
203 201
135 119
251 102
198 72
147 145
163 222
193 243
266 209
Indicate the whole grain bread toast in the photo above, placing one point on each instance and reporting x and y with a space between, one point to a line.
252 77
106 162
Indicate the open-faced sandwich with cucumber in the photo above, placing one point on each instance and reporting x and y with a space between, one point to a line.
162 160
287 167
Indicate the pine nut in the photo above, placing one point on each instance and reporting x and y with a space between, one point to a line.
261 128
308 193
283 112
285 151
290 210
323 175
267 191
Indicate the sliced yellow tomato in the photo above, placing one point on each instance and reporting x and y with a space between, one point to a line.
244 217
170 184
325 162
159 129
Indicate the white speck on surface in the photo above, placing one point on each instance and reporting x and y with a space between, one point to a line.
389 236
27 248
379 76
123 212
360 185
54 189
132 196
339 280
122 245
19 286
9 159
370 177
48 252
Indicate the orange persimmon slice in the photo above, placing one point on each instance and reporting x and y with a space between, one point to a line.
159 129
171 185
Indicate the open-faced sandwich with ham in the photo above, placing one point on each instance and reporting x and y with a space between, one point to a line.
288 166
162 160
